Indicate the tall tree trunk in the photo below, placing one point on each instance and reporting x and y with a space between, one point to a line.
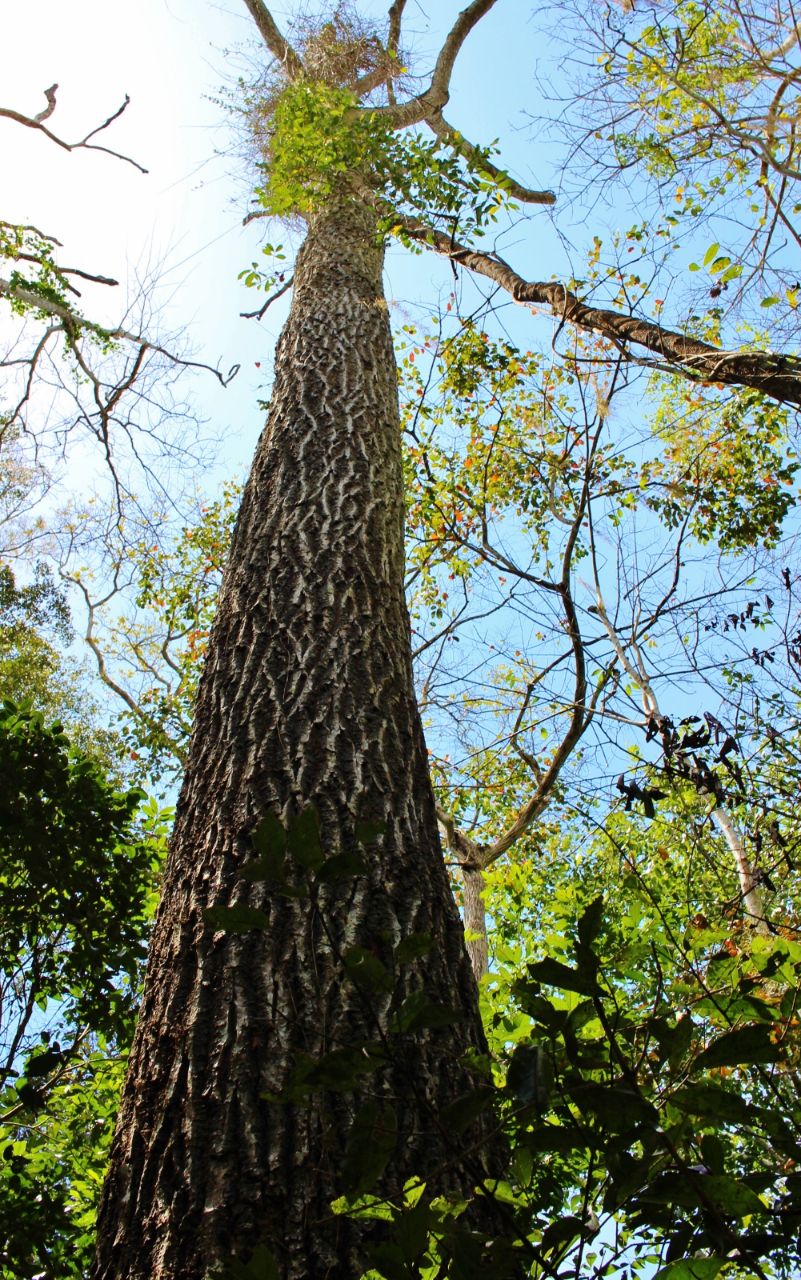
307 696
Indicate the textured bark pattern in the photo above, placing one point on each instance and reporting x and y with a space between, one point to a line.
307 696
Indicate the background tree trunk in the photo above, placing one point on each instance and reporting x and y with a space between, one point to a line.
475 920
307 697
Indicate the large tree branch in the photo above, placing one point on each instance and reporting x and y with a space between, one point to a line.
278 45
434 98
775 375
460 144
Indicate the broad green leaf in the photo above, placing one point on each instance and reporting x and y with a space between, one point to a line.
691 1269
618 1107
269 841
418 1012
413 947
739 1047
303 840
261 1265
555 974
342 866
366 970
371 1144
589 925
459 1115
712 1103
236 919
342 1069
369 832
693 1191
559 1233
530 1076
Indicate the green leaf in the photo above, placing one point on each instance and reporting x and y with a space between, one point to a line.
236 919
697 1190
417 1012
770 301
261 1265
412 947
303 839
563 1138
732 273
555 974
589 925
269 841
561 1232
369 832
710 254
342 866
43 1063
719 265
712 1103
679 1039
342 1069
459 1115
371 1144
691 1269
365 969
739 1047
529 1077
618 1107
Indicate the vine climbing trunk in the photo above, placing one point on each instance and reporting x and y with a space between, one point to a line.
307 698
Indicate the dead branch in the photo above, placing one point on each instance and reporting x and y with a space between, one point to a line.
85 143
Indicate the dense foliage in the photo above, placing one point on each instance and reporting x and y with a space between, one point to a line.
76 892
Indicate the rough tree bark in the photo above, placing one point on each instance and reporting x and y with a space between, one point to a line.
307 696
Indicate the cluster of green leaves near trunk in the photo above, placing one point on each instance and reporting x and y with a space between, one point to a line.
322 144
77 889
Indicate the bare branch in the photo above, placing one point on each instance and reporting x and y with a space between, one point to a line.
73 323
50 95
37 122
436 95
259 315
278 45
102 670
446 133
